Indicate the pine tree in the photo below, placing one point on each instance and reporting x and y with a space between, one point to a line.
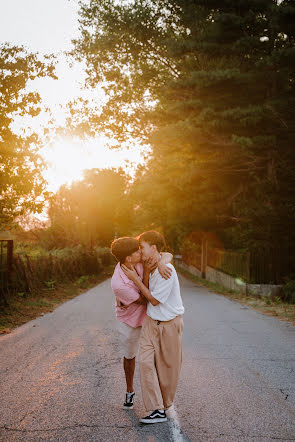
210 85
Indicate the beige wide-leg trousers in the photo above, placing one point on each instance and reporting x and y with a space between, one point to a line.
160 359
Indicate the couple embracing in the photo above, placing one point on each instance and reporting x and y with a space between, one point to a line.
149 310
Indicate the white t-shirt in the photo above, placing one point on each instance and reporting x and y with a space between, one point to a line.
167 292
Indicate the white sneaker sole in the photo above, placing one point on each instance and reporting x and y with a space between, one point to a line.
128 408
153 421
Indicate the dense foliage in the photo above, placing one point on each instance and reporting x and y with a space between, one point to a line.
22 186
36 268
89 212
210 85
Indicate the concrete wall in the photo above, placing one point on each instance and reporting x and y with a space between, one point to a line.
264 289
191 269
232 283
225 280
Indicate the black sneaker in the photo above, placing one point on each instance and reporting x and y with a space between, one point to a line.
155 417
129 402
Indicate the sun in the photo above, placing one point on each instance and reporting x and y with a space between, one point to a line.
67 158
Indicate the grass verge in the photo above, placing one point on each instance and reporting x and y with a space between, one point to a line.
22 309
272 307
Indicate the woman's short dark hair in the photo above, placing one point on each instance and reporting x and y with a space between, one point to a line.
153 238
123 247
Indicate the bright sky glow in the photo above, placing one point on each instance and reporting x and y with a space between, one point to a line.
41 25
48 27
68 158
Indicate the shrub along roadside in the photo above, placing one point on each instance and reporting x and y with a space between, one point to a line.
46 269
21 308
41 280
289 292
273 307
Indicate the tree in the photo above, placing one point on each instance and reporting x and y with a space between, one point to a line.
91 211
210 85
22 187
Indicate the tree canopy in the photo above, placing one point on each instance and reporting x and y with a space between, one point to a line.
210 85
91 211
22 186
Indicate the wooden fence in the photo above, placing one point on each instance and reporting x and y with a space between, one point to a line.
264 266
231 262
30 274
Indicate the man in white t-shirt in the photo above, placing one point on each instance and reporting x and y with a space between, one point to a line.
160 353
130 305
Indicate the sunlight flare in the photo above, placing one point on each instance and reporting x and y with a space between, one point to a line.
66 159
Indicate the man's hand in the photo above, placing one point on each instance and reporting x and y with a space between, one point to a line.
133 276
141 300
164 270
150 264
120 305
130 273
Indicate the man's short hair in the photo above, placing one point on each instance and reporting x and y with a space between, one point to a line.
153 238
123 247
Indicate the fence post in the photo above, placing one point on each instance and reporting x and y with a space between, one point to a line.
25 274
248 267
204 252
9 260
247 272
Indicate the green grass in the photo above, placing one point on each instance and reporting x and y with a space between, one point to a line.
38 303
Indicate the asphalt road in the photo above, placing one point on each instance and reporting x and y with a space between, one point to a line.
62 380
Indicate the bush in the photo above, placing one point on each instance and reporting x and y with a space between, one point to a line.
191 253
32 271
104 254
289 292
83 281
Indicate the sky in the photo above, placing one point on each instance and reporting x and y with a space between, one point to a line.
42 25
48 27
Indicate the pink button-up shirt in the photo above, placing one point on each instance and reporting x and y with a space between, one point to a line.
127 292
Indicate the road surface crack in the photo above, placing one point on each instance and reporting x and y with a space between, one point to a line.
260 436
70 427
285 394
